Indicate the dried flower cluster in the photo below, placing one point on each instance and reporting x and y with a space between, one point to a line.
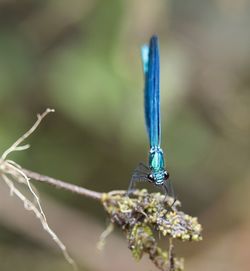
142 215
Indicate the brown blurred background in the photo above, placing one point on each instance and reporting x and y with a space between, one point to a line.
83 59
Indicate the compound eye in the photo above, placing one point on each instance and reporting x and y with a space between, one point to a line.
150 178
166 175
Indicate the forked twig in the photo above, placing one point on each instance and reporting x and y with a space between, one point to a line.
9 170
15 146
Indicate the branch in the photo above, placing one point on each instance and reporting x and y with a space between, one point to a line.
61 184
137 215
15 146
11 172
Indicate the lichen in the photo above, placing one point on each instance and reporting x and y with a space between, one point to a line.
143 215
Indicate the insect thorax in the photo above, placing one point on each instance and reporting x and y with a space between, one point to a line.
157 165
156 159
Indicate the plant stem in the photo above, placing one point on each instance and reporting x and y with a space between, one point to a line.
61 184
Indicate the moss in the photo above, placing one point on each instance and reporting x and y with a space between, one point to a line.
143 215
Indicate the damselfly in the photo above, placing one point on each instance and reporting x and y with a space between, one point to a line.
156 171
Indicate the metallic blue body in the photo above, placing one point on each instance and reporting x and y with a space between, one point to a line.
156 171
151 68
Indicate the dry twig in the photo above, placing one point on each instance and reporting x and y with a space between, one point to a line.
138 216
11 172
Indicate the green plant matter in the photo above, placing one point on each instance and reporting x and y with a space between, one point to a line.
143 215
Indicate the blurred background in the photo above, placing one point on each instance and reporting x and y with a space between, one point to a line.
82 58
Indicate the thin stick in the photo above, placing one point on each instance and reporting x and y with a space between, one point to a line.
40 215
64 185
15 146
171 255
